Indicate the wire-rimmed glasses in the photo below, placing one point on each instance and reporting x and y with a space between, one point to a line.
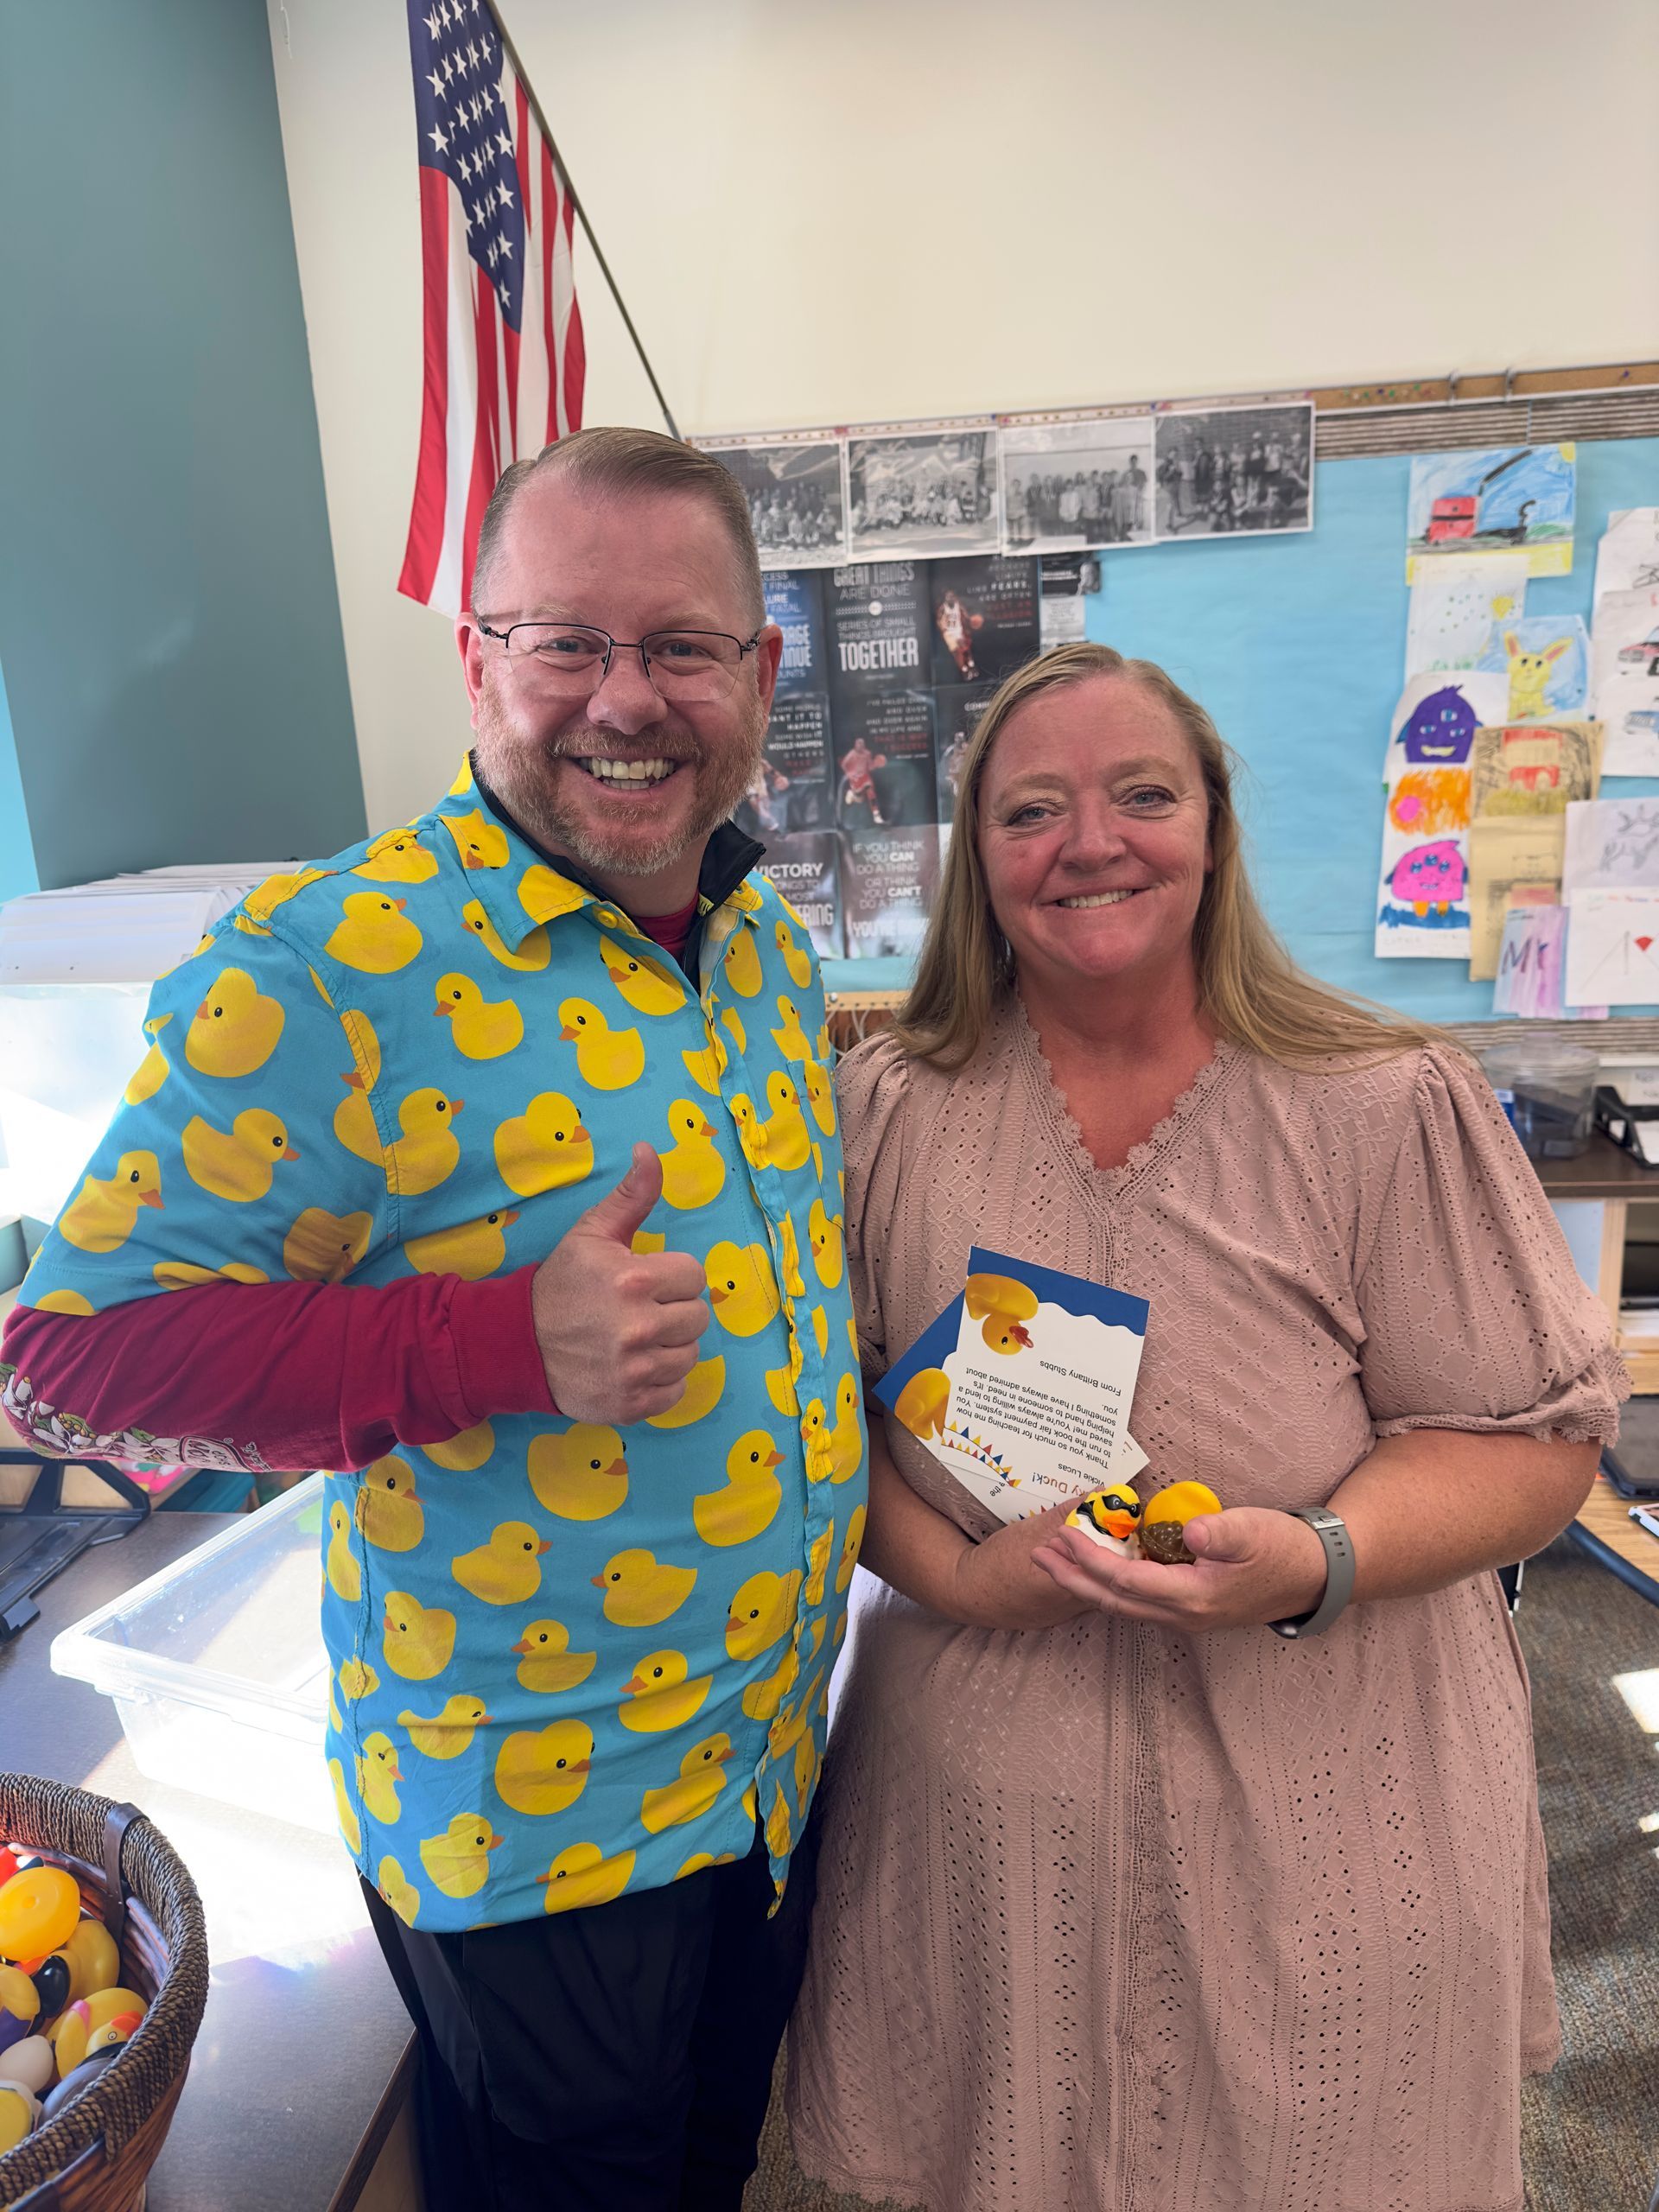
574 660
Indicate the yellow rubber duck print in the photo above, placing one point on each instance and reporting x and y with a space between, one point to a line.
65 1301
658 1695
238 1163
534 949
806 1769
473 1250
276 891
850 1543
545 894
817 1565
448 1732
823 1234
741 1288
846 1437
814 1434
505 1570
920 1405
354 1123
706 1068
344 1811
581 1475
761 1700
742 963
397 856
733 1020
324 1247
478 842
357 1679
694 1173
468 1449
781 1381
544 1148
645 983
340 1563
377 1777
236 1027
608 1060
699 1860
428 1151
458 1861
761 1612
184 1274
750 1135
704 1386
583 1876
640 1590
790 1040
799 964
789 1254
821 1331
396 1891
105 1213
750 1497
389 1513
417 1640
1004 1305
546 1663
788 1144
483 1028
374 935
702 1776
153 1070
778 1828
821 1097
540 1771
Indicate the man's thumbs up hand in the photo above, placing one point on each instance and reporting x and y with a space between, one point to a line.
618 1328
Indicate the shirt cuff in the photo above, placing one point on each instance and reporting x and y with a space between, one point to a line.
497 1359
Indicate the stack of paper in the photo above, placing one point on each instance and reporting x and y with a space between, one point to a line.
124 928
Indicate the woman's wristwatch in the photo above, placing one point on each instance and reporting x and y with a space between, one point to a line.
1333 1532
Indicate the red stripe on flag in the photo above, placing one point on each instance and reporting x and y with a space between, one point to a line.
551 211
575 366
426 516
486 438
510 362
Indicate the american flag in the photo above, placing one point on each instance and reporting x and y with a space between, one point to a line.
503 334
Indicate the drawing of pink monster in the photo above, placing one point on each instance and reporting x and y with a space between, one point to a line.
1429 875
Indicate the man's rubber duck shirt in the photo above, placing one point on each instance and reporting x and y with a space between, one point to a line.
566 1660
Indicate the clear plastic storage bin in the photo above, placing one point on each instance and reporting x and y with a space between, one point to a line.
216 1666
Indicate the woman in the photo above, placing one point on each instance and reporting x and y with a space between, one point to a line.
1125 1900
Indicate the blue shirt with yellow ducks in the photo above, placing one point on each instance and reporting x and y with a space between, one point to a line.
566 1660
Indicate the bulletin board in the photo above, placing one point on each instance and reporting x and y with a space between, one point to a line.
1296 645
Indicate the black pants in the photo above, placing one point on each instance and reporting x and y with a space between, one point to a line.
617 2059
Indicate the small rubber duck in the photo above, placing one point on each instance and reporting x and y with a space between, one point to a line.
473 1250
483 1029
608 1058
238 1163
374 935
507 1569
752 1494
742 1287
546 1664
544 1769
640 1590
582 1876
702 1778
581 1475
742 963
417 1640
448 1732
1108 1517
236 1027
458 1859
761 1612
659 1694
544 1148
105 1213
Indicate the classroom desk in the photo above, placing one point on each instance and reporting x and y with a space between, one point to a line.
1607 1175
302 2061
1603 1529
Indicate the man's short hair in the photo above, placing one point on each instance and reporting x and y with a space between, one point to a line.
617 461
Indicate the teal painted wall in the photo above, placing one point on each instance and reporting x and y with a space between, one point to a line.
169 628
16 853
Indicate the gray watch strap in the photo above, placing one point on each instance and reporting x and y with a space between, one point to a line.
1333 1532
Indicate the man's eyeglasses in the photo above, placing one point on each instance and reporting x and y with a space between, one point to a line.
572 660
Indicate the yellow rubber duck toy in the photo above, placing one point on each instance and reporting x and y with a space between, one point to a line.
397 856
377 1777
471 1250
790 1040
448 1732
921 1404
705 1068
761 1612
846 1437
702 1776
581 1475
693 1171
340 1565
324 1247
544 1148
374 936
582 1876
389 1512
544 1769
750 1134
799 964
104 1214
1005 1307
788 1144
704 1386
645 983
458 1861
742 964
236 1027
640 1590
750 1497
505 1570
817 1565
534 950
357 1679
478 842
418 1640
546 1663
396 1891
821 1096
154 1068
659 1694
850 1543
344 1811
428 1151
742 1287
468 1449
823 1234
610 1060
483 1028
238 1163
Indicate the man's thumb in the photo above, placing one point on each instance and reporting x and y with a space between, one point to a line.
621 1211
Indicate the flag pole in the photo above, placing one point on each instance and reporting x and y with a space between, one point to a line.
535 106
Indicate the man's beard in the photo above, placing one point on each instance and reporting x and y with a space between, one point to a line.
518 770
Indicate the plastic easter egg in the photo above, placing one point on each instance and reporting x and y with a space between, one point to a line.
8 1864
69 2035
83 2077
29 2063
105 2003
94 1960
39 1909
19 2112
53 1980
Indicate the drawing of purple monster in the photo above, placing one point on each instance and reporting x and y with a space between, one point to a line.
1429 876
1442 727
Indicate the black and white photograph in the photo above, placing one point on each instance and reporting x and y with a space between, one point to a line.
1072 486
926 493
1234 471
985 620
797 502
807 870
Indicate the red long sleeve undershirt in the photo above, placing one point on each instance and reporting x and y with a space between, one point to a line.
301 1375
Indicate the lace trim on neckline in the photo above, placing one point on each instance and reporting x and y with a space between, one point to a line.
1111 1182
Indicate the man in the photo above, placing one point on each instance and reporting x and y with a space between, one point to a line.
557 1263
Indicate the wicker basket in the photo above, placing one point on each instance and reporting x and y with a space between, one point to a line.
93 2157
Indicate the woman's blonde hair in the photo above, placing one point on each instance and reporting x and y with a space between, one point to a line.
1250 988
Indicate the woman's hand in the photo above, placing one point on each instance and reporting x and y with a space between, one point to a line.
997 1585
1253 1565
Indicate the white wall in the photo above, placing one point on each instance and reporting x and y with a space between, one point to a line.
859 209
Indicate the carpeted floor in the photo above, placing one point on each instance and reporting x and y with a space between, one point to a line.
1591 2129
